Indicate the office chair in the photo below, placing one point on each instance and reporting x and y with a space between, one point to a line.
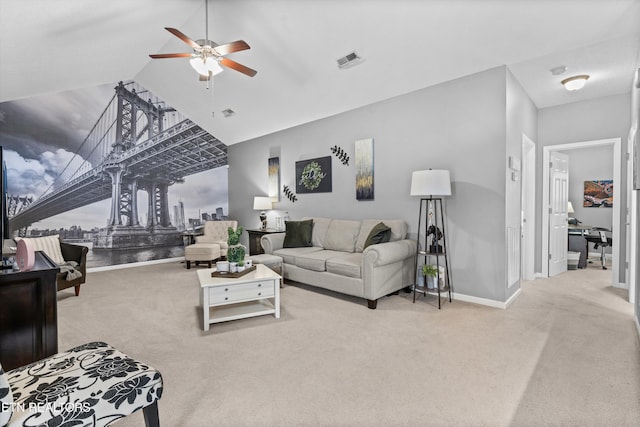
600 241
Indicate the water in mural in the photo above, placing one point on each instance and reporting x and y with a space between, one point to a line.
102 258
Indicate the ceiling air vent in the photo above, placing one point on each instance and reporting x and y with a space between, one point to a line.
228 112
349 60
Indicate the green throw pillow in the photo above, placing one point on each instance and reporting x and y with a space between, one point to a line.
298 233
380 233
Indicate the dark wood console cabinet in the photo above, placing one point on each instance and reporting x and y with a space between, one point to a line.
255 247
28 314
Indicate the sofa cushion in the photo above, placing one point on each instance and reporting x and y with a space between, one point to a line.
320 227
341 235
398 230
298 233
289 255
379 234
316 261
346 265
50 245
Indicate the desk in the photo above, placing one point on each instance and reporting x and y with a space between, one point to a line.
581 228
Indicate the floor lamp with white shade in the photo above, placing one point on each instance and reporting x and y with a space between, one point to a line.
431 185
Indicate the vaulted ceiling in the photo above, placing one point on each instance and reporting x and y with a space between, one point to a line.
49 46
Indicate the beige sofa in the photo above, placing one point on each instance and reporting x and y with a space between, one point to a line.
338 261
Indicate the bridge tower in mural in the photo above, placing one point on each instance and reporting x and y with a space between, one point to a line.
124 229
136 145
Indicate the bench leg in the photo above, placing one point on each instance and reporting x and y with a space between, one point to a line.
151 418
188 265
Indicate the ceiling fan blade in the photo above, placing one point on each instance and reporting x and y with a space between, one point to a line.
238 67
184 38
171 55
225 49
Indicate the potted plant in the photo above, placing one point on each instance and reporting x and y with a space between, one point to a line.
241 266
430 272
236 251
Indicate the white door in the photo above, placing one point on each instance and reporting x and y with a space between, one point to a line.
528 202
558 201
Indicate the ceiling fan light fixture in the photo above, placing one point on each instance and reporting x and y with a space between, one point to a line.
205 66
575 83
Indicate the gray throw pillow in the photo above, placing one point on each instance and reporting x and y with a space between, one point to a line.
380 233
298 233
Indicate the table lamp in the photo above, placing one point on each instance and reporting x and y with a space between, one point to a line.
262 203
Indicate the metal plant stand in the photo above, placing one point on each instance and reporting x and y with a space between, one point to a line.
429 247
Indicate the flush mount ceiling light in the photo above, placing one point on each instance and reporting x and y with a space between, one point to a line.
575 82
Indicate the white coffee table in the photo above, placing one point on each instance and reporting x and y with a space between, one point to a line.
255 294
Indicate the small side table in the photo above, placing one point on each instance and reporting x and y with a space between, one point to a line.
255 247
189 237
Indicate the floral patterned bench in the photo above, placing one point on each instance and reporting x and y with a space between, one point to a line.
90 385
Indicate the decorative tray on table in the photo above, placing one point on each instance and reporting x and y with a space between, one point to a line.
233 275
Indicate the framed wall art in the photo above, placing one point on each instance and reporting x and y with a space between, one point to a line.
274 178
598 193
313 175
364 169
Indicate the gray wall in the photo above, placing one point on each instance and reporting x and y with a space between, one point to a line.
521 118
458 125
601 118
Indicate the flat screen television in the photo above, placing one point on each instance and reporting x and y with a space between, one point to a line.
4 220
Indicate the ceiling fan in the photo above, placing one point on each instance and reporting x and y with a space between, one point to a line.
208 56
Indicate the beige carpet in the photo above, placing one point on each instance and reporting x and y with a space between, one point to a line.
566 354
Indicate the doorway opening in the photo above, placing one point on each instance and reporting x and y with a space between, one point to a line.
615 143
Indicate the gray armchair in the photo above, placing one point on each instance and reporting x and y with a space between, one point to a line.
77 253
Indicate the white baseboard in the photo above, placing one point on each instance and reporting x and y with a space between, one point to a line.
133 264
486 301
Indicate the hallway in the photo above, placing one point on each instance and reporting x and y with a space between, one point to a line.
589 368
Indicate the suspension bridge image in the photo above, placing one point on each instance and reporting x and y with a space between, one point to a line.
137 144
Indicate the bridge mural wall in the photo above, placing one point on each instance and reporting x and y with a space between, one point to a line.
112 167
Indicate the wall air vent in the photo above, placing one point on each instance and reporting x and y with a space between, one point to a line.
349 60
